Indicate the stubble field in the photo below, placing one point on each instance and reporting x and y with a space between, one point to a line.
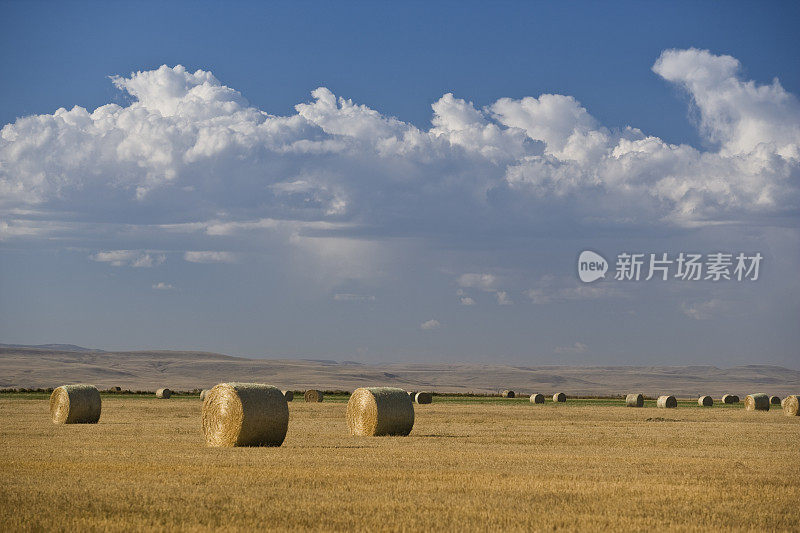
468 465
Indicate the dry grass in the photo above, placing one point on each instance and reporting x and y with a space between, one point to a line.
488 466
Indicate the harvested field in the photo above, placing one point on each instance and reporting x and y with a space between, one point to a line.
586 464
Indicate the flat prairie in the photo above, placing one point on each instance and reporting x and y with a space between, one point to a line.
499 465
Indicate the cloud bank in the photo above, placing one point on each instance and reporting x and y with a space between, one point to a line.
190 156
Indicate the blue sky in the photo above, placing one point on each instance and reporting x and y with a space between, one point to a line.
227 219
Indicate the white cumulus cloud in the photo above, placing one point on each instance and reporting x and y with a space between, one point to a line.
503 298
430 324
484 282
343 183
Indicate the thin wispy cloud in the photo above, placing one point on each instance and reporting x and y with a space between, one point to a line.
349 297
704 310
132 258
210 257
573 349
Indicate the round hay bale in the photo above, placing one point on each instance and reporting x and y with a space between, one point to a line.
559 397
537 398
75 404
423 397
634 400
735 399
245 414
313 395
757 402
667 402
508 394
163 393
705 401
380 411
203 394
791 405
729 399
775 400
289 395
116 389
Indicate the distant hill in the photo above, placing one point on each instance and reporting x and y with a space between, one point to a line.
147 370
55 347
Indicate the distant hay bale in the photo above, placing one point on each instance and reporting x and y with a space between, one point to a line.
289 395
559 397
312 396
730 399
75 404
537 398
634 400
423 397
735 399
775 400
380 411
245 414
116 389
757 402
203 394
667 402
508 394
163 393
705 401
791 405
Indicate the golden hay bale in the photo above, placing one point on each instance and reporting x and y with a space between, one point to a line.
757 402
537 398
791 405
667 402
730 399
289 395
634 400
380 411
508 394
313 395
116 389
775 400
705 401
423 397
559 397
75 404
245 414
163 393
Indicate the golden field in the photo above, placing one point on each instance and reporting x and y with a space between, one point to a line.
468 465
